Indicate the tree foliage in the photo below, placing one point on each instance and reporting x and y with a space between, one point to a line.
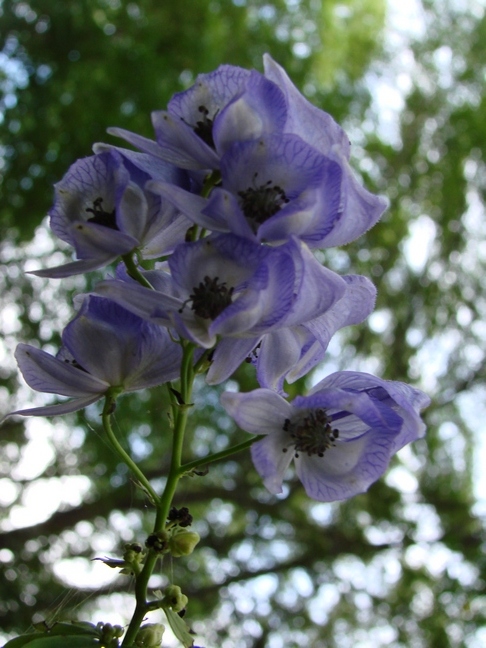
402 564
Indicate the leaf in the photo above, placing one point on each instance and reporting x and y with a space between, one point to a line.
21 641
179 628
62 641
73 628
36 640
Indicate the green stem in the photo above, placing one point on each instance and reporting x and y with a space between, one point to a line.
211 180
134 272
180 421
180 412
197 463
125 457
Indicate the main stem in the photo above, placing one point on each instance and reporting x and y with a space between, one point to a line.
180 409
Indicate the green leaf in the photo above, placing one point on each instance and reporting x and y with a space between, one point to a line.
73 628
179 628
47 641
21 641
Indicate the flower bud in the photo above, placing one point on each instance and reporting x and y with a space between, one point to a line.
183 543
158 542
110 634
174 598
150 635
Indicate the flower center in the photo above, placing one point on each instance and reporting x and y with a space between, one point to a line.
100 216
204 127
261 202
210 298
311 432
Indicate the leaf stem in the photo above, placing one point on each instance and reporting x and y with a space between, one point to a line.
134 272
217 456
124 456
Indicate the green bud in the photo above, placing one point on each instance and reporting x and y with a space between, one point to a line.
174 598
182 543
110 634
150 635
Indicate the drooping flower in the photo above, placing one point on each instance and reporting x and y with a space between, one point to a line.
104 346
341 436
103 211
228 291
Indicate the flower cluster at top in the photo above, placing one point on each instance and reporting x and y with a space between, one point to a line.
216 222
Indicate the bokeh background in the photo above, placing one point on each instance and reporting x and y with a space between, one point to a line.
402 565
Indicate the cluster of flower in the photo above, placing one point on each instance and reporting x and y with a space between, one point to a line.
245 179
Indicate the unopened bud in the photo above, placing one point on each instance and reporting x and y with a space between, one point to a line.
183 543
158 542
174 598
110 634
150 635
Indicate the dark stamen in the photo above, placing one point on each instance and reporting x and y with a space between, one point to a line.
311 433
261 202
253 355
102 217
209 299
204 127
74 363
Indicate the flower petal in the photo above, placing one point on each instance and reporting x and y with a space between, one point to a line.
45 373
271 461
313 125
75 267
58 409
228 355
261 411
347 469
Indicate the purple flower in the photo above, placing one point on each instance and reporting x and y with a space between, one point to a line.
271 189
102 210
229 291
341 436
227 105
284 163
359 208
291 352
104 346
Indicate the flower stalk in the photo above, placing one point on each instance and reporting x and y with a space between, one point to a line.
163 503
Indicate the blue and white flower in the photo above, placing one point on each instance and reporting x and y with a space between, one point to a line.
271 189
102 209
227 291
359 209
341 436
228 105
103 347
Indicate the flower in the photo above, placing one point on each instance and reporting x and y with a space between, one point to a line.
102 210
228 291
283 162
227 105
271 189
341 436
292 351
360 209
104 346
